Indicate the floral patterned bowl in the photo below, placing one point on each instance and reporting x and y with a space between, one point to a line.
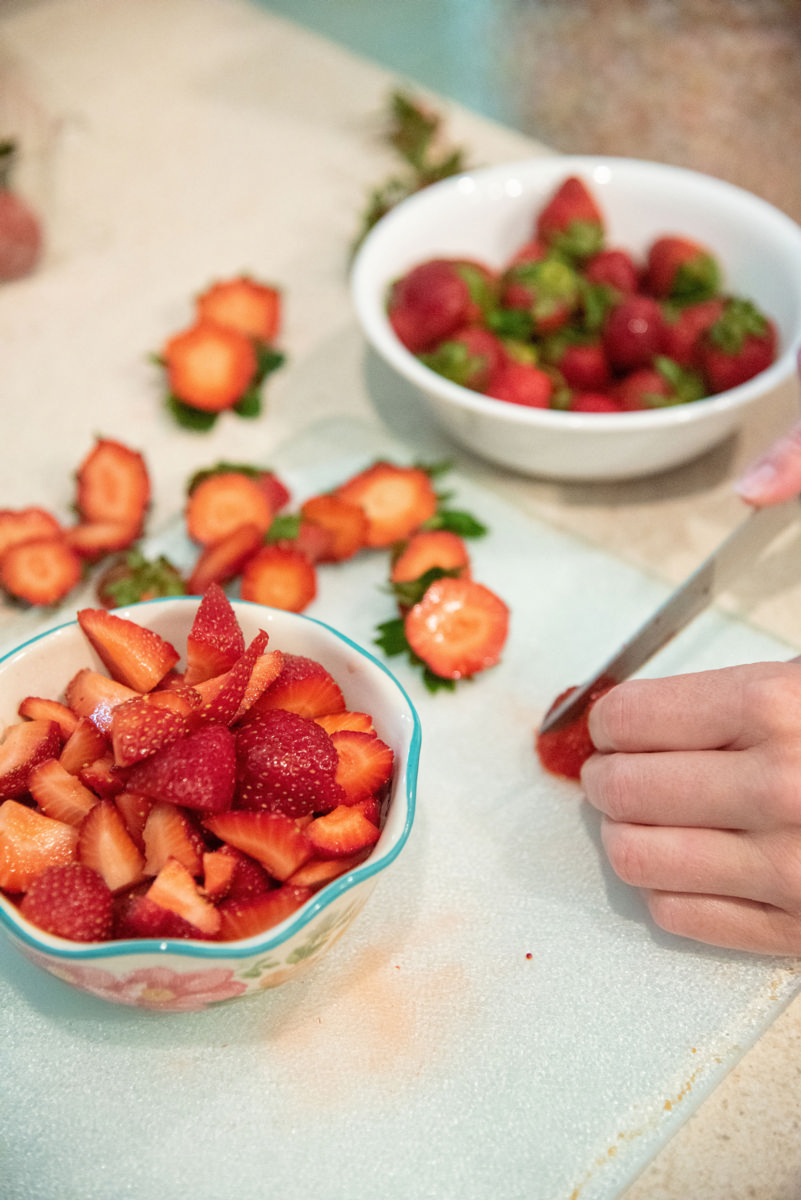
174 975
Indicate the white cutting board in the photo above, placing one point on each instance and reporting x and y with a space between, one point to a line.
502 1020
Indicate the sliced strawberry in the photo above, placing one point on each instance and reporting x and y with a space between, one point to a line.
303 686
71 901
266 670
570 221
342 832
215 640
249 878
365 764
131 653
197 771
175 889
105 844
458 628
222 501
272 838
26 525
397 500
142 726
279 577
41 571
39 708
246 917
29 842
102 776
563 751
133 807
223 696
429 549
23 745
225 559
85 744
243 304
137 916
319 871
332 722
113 486
59 794
93 540
169 833
346 522
210 366
218 871
285 763
93 695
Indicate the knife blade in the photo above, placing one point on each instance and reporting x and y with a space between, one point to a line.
737 551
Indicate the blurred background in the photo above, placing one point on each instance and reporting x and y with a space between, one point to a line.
708 84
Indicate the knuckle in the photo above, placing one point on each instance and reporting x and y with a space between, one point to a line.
626 854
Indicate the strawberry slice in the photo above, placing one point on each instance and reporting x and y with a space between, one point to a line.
564 751
71 901
169 833
346 523
92 540
197 771
430 549
23 745
249 876
332 722
458 628
29 842
137 916
41 571
365 764
224 695
279 577
342 832
303 686
285 763
113 486
142 726
105 844
243 304
210 366
245 917
102 776
132 654
25 525
93 695
85 744
59 794
175 890
266 669
397 500
319 871
40 708
215 640
273 839
218 871
220 501
225 559
134 808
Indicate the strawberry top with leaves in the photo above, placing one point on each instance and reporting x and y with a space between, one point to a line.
244 304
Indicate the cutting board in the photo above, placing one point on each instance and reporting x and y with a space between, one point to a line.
502 1020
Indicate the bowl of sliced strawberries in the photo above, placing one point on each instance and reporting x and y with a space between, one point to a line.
584 318
197 797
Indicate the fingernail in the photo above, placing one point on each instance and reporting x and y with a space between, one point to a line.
755 481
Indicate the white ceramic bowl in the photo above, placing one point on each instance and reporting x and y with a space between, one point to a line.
487 214
177 975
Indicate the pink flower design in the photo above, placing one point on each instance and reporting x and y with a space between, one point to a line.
158 988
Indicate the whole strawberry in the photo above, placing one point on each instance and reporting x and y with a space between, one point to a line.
740 344
571 222
20 230
70 900
436 298
679 268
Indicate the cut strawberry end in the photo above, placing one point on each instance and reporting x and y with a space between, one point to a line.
113 486
396 500
210 366
222 502
243 304
279 577
458 629
41 571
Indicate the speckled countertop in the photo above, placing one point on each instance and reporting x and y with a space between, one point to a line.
122 179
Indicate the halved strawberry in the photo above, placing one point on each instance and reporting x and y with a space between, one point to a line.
279 577
285 763
113 486
221 501
210 366
23 745
25 525
273 839
215 640
458 628
132 654
105 844
197 771
41 708
242 303
226 559
397 500
346 522
169 833
93 695
175 889
303 686
365 764
342 832
245 917
71 901
83 746
41 571
142 726
59 794
29 842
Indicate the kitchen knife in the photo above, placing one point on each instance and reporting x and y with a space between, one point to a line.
736 553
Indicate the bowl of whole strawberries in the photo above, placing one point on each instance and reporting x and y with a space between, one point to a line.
197 797
584 318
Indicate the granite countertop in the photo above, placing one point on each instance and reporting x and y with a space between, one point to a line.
171 141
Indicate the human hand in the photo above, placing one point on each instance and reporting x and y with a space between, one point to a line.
698 778
776 475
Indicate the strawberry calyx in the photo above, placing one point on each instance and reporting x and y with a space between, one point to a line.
739 320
